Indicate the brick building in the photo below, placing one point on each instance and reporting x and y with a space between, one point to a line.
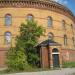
56 46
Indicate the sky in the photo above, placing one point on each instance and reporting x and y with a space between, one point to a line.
68 3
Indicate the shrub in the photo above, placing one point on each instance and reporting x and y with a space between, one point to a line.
16 60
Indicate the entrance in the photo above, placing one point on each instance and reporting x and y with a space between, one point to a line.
49 53
55 54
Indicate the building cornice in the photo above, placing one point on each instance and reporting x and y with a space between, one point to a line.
41 4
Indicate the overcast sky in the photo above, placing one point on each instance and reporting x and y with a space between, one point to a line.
68 3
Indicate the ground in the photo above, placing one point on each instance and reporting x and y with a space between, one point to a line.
66 71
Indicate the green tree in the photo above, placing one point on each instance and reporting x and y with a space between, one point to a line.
29 34
25 53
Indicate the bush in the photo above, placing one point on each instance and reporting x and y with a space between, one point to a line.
16 60
25 54
68 64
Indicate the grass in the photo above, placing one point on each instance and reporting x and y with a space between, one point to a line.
68 64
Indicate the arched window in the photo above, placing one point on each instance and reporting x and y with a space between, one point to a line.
7 37
55 50
73 41
65 40
29 17
50 21
8 19
63 24
50 36
72 28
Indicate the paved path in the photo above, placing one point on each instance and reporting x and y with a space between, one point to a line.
65 71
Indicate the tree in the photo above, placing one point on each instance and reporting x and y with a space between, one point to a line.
25 53
29 34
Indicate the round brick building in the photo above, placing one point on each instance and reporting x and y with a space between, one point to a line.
58 21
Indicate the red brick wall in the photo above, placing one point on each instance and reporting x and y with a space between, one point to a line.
68 55
2 58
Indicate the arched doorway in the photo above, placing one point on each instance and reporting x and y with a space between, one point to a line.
55 54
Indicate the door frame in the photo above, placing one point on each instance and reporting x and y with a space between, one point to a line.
56 53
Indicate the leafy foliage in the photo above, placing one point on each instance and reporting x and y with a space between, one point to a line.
25 53
29 34
16 60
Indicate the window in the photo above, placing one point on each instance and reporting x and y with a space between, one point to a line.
30 17
50 21
65 40
63 24
50 36
8 19
7 37
72 28
73 41
55 50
